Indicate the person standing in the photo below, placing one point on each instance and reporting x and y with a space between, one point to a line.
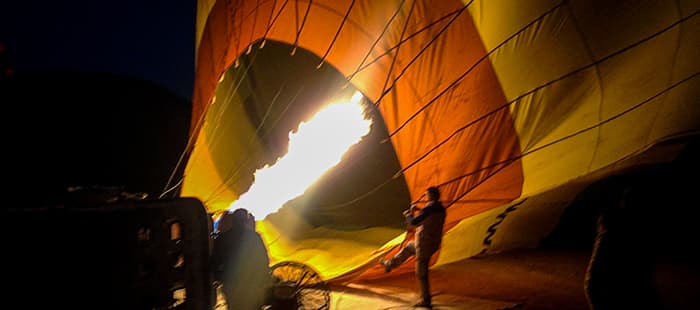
240 262
429 222
620 272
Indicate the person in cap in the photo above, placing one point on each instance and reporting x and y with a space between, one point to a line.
428 222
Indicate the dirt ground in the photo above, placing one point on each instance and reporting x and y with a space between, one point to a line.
522 279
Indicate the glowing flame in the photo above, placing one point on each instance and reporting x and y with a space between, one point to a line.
317 146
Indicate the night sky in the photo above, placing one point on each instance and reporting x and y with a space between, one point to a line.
149 40
103 89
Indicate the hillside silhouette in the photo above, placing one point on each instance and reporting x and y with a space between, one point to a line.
67 129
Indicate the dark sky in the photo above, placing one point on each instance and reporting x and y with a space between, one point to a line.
148 39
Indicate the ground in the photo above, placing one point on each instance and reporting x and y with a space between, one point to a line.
522 279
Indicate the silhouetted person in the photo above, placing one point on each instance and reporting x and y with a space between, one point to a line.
240 261
620 273
429 222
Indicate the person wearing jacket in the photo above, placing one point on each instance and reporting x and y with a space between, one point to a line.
429 222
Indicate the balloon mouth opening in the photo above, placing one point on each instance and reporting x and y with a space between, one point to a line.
268 95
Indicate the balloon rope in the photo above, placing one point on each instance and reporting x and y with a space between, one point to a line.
571 73
509 160
376 41
396 54
197 128
506 106
220 189
425 28
272 21
300 28
255 22
466 72
417 55
330 46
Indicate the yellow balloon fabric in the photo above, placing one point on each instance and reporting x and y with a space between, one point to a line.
509 107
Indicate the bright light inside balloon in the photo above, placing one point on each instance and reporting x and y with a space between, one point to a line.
316 147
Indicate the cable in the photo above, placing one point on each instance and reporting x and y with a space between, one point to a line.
509 160
376 41
425 48
398 48
345 18
300 28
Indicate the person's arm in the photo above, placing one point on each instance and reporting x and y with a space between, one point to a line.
416 220
425 212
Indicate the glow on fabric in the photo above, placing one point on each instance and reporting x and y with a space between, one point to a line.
510 107
312 151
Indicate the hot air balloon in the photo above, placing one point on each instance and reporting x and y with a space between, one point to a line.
510 107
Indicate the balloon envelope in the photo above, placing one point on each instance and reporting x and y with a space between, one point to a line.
509 107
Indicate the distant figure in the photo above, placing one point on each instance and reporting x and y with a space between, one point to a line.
240 261
429 223
620 273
